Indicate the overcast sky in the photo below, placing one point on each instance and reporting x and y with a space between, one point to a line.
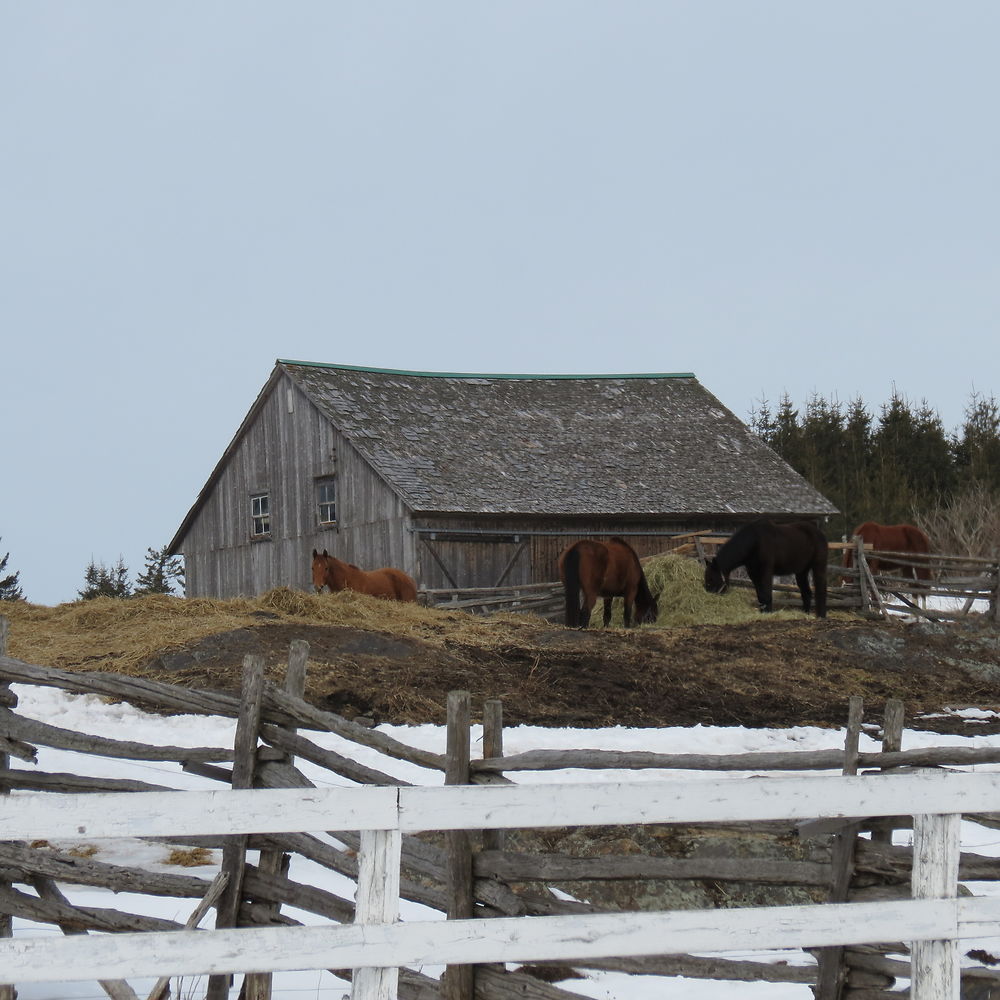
781 197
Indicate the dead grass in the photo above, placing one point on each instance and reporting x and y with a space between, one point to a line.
121 635
190 857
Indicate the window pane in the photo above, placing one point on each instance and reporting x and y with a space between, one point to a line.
326 496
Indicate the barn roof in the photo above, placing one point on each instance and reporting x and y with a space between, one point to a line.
555 444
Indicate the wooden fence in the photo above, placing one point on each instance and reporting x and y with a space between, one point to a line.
934 919
268 802
968 579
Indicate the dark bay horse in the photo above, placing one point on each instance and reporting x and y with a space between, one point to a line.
608 570
893 538
390 583
768 550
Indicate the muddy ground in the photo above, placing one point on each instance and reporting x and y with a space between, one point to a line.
765 673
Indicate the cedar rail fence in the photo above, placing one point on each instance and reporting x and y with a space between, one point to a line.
877 891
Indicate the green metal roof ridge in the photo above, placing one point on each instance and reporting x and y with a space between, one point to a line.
396 371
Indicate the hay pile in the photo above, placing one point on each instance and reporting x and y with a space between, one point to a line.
683 600
121 635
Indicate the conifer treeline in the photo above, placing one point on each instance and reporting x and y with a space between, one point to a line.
891 467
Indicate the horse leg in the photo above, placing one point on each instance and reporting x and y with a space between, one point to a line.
628 614
802 579
764 585
589 600
607 611
819 585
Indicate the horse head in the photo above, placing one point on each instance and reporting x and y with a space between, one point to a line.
716 582
648 611
319 565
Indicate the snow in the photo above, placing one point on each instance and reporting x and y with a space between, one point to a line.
89 713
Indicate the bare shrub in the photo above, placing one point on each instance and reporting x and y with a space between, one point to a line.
966 524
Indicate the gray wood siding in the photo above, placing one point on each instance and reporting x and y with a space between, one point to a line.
479 561
284 449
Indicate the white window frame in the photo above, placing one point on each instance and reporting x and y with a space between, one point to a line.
260 514
323 482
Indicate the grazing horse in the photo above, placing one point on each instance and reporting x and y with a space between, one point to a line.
768 550
331 572
609 570
892 538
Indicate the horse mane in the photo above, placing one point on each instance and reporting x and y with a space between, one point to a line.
732 552
919 542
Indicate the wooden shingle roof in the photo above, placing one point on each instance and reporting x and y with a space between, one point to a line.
555 445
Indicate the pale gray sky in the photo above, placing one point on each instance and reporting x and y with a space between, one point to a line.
778 196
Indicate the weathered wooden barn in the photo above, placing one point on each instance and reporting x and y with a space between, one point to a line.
471 480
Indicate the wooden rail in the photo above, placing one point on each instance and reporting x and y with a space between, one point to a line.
935 920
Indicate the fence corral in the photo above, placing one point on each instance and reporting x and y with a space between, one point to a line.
967 579
268 802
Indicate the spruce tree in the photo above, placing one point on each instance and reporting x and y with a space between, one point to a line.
99 581
977 451
10 589
160 572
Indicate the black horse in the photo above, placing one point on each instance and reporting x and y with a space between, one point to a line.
768 550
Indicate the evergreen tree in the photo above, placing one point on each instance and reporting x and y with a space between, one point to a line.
762 423
912 466
787 437
977 452
10 589
857 465
103 582
823 450
160 572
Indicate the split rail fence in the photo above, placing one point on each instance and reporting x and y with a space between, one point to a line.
878 891
971 580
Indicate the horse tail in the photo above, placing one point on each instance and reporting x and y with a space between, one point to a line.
918 542
406 588
571 585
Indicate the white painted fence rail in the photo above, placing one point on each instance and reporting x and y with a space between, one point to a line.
934 921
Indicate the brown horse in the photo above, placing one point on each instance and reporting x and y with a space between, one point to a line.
331 572
609 570
892 538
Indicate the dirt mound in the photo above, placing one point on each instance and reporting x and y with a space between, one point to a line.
396 663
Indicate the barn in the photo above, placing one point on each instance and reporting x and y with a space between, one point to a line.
470 480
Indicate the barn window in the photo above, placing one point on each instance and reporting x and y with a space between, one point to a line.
326 500
260 515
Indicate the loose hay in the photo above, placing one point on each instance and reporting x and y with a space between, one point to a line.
190 857
109 633
678 583
121 635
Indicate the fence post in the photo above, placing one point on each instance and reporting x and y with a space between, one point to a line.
377 902
832 971
493 840
996 596
934 965
892 741
235 849
257 985
459 980
859 555
7 991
